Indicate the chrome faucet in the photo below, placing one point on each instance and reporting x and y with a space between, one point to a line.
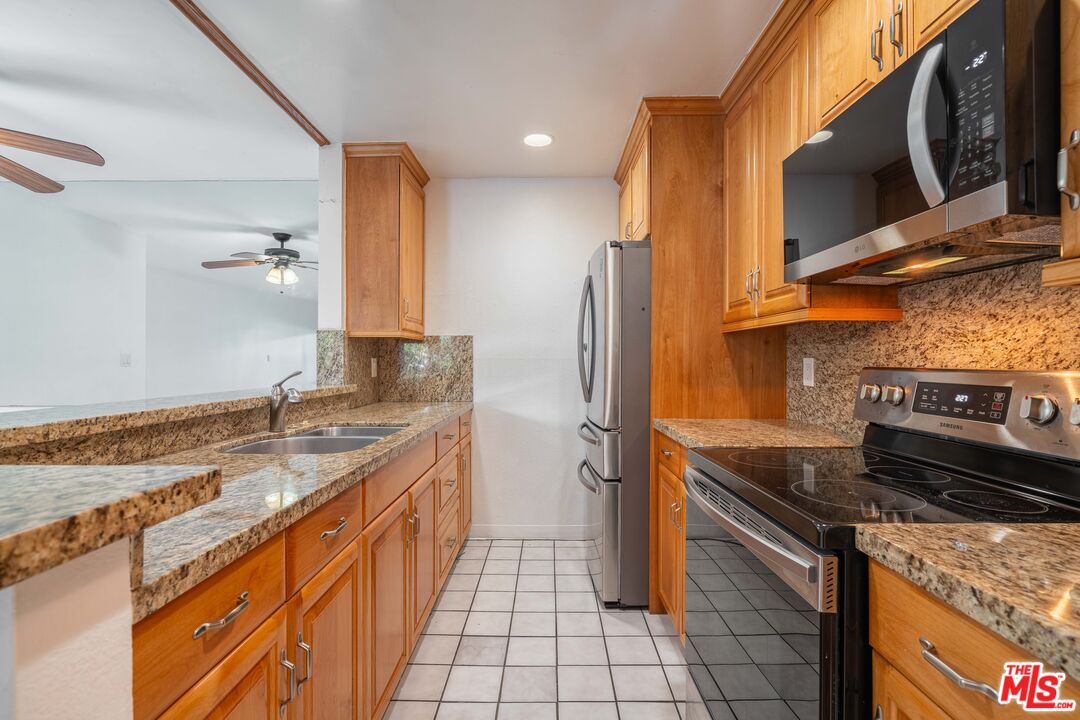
280 399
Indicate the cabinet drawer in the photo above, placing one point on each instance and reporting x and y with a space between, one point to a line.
901 614
449 539
167 659
385 485
466 425
447 436
448 479
669 453
318 537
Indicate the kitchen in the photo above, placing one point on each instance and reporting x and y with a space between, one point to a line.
801 442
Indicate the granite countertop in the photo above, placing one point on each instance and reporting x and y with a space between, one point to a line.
696 433
1021 581
263 494
50 514
72 421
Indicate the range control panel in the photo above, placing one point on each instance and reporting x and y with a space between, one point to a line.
981 403
1035 412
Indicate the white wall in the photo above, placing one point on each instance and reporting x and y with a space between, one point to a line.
505 260
105 300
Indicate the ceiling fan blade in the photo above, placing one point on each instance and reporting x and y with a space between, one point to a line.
250 256
305 264
213 264
26 177
50 146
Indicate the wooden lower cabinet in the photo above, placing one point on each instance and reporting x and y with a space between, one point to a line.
895 698
324 630
466 486
251 683
423 555
671 545
387 625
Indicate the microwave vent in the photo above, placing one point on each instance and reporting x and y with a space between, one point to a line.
869 280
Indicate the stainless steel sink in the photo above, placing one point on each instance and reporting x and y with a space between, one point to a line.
302 445
353 431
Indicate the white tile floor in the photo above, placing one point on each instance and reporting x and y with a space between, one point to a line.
518 634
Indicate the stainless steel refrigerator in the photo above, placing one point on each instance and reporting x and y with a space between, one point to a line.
614 344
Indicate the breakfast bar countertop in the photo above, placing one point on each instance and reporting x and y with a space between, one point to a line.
1019 580
739 432
51 514
261 495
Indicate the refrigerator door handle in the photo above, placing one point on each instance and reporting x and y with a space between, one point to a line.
586 345
585 433
590 483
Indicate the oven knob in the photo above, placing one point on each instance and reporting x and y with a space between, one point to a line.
1039 409
870 392
1074 414
894 394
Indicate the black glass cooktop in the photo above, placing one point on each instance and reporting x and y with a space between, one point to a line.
822 493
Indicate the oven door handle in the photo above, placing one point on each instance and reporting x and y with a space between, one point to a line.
801 568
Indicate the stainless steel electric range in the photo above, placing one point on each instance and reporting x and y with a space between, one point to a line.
776 593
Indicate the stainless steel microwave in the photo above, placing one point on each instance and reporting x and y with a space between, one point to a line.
944 167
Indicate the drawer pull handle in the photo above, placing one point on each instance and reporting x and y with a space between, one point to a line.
291 669
416 525
341 523
1063 171
411 520
929 653
307 660
241 606
879 714
666 453
450 545
449 436
451 483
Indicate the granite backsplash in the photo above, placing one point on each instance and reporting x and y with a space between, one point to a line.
999 319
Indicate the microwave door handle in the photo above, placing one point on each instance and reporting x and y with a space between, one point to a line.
585 345
922 160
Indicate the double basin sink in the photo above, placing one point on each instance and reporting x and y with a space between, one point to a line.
335 439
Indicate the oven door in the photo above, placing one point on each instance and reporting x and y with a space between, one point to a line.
760 613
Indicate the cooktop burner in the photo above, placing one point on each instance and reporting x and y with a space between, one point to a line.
823 493
856 495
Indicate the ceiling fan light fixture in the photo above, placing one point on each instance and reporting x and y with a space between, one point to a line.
282 275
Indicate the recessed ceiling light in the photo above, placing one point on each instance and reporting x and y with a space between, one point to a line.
819 137
538 140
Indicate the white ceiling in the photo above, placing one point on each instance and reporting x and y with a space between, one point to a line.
464 80
136 81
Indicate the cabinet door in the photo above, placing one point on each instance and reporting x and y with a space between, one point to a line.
424 572
1070 120
741 211
466 486
324 629
668 553
784 92
384 562
895 698
624 210
639 192
844 35
251 683
929 17
412 253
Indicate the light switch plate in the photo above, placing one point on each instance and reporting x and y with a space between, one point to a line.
808 372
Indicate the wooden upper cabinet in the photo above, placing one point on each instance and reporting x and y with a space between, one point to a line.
635 192
929 17
383 240
324 630
385 564
784 121
846 36
1067 273
624 212
741 205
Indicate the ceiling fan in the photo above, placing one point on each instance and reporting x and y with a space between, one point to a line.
31 180
282 260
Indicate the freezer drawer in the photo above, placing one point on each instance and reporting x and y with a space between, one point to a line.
606 501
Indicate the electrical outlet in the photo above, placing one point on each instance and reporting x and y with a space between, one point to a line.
374 367
125 359
808 372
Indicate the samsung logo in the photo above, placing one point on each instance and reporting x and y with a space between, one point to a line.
951 426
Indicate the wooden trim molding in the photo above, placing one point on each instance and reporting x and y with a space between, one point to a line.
389 149
785 18
217 36
655 106
1064 273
